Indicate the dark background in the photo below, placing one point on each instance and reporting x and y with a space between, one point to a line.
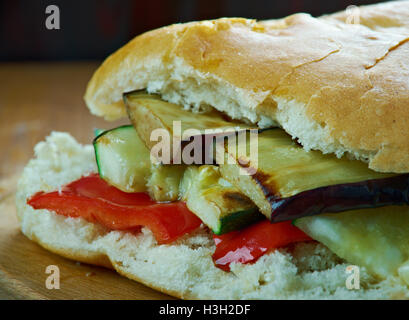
93 29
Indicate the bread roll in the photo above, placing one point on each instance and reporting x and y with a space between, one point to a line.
337 87
333 86
184 268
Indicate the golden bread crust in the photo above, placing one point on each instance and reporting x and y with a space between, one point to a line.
349 81
150 46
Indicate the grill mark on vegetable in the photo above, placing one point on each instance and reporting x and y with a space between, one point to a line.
238 197
372 193
270 189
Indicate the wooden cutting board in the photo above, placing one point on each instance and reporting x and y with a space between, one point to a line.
35 100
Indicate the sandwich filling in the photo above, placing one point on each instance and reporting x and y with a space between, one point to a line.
252 202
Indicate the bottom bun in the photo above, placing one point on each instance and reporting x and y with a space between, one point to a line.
184 268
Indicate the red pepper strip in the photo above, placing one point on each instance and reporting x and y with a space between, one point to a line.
249 244
96 201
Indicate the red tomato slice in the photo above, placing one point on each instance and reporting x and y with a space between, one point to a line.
249 244
96 201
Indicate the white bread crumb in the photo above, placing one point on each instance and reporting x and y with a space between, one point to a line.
184 268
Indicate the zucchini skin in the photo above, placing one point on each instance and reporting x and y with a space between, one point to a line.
124 165
217 203
98 134
98 131
238 220
342 197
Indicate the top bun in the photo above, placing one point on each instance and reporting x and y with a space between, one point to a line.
335 86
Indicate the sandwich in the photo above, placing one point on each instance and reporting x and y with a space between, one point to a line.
262 160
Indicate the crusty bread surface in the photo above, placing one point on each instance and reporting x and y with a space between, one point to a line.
335 86
183 269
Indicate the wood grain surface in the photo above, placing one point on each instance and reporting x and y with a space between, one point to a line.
35 99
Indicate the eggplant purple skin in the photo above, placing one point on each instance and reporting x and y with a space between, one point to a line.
342 197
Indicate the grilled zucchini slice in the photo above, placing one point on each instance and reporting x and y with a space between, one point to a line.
290 182
220 206
122 158
163 183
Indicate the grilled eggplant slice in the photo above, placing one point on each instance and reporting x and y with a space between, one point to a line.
220 206
149 112
122 158
290 182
